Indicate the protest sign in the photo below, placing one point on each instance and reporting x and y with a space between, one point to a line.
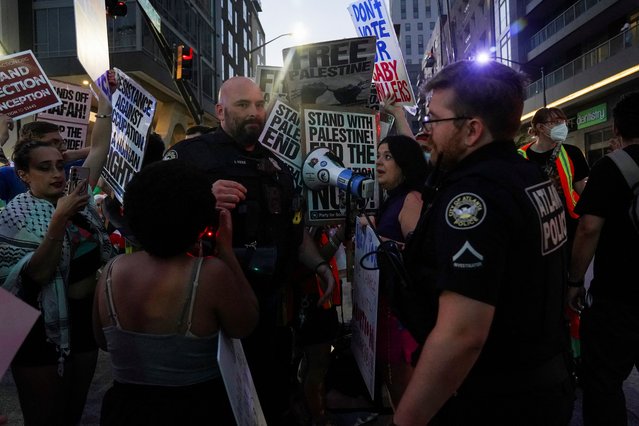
91 36
365 298
371 18
133 109
271 81
24 87
350 134
238 382
72 116
16 320
337 72
281 135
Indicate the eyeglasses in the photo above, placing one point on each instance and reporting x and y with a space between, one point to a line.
427 123
554 122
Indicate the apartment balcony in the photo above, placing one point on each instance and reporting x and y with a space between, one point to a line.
612 62
578 22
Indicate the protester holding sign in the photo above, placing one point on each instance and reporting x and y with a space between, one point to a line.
52 244
158 311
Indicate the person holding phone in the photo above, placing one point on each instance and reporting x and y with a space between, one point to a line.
52 245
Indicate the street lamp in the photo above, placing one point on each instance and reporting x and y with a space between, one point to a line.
484 57
271 40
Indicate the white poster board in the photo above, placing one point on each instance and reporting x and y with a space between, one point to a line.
371 18
238 382
16 320
133 109
91 36
365 298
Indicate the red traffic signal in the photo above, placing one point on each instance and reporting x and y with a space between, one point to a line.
115 7
183 62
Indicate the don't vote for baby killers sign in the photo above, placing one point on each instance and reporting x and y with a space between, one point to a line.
133 109
24 87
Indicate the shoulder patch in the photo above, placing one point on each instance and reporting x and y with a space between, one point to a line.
171 154
465 211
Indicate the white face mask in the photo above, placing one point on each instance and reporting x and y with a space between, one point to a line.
559 132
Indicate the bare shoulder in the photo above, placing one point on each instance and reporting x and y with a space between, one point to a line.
413 198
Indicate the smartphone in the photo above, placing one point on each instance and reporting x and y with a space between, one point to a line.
77 174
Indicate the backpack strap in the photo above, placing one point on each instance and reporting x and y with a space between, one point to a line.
628 167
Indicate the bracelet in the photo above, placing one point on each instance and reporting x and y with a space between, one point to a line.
59 240
323 262
576 284
102 115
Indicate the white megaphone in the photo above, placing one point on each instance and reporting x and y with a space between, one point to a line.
323 168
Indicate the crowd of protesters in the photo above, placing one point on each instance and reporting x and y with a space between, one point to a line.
473 290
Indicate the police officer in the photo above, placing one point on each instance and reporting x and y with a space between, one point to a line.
491 240
268 231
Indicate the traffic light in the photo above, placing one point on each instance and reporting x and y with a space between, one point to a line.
115 7
183 62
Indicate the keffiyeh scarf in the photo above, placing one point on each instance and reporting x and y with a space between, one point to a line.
23 226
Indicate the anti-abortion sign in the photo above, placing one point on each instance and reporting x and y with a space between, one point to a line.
351 135
133 109
24 87
371 18
271 81
238 382
281 135
365 297
72 115
335 72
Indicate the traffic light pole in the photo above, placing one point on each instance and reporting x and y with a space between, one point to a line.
167 53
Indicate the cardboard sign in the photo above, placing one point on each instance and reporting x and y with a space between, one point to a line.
238 382
24 87
271 81
350 134
133 109
371 18
16 320
72 116
335 72
281 135
91 36
365 299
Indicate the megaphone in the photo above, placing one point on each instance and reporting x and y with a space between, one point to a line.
322 168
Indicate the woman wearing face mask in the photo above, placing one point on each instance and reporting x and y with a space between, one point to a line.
564 164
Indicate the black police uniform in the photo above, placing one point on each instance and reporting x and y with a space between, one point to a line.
496 232
610 326
267 233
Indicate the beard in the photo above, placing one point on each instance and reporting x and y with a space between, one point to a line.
247 132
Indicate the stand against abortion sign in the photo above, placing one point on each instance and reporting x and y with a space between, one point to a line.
351 134
72 116
24 87
371 19
335 72
133 109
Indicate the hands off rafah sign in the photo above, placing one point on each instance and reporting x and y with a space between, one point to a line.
72 115
133 109
390 76
24 88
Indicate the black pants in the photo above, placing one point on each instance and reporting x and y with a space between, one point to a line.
609 351
268 353
551 406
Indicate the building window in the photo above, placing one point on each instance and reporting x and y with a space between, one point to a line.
409 47
407 25
420 43
503 16
416 9
402 8
420 26
432 25
53 36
